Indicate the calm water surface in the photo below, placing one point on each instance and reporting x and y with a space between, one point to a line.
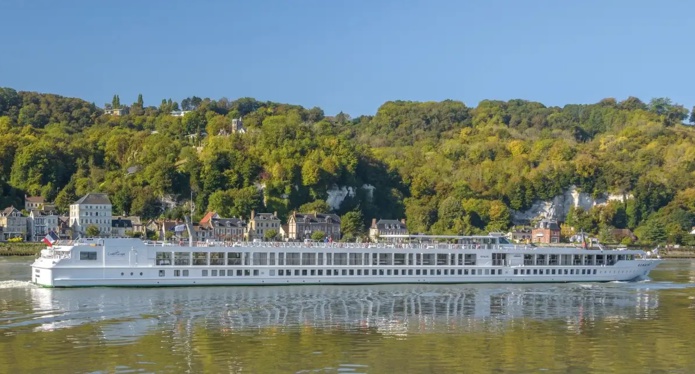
646 327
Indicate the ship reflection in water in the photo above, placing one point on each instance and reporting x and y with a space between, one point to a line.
126 314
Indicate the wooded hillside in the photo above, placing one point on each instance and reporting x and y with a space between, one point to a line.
446 167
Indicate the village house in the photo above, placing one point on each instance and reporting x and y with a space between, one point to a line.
13 223
93 209
302 225
519 236
214 227
546 232
40 223
386 227
261 223
120 227
33 203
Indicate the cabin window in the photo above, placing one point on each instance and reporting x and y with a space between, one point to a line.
355 258
255 272
329 259
516 271
469 259
161 273
352 272
234 258
399 259
594 271
428 259
90 255
540 259
163 258
320 272
498 259
340 259
320 258
229 272
385 259
185 273
308 258
240 273
212 272
552 260
296 272
313 272
577 260
182 258
281 258
205 273
395 272
260 258
292 258
271 272
200 258
410 271
177 273
442 258
460 259
216 258
528 259
281 272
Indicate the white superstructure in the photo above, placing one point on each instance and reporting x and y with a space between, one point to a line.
472 259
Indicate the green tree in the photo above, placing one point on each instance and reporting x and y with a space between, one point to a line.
352 224
318 206
92 231
116 102
318 236
270 235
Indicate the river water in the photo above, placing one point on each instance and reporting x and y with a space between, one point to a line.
644 327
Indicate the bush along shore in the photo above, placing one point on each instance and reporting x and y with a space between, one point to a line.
20 249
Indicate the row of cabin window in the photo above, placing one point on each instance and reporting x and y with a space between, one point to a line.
553 271
338 272
313 258
366 272
577 260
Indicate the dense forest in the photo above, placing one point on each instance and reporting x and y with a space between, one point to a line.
446 167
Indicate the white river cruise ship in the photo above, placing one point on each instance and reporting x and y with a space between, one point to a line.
409 259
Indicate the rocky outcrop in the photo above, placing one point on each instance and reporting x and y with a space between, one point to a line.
558 208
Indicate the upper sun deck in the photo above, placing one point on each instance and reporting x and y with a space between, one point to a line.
406 243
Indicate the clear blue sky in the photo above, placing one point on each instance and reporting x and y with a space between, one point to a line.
350 55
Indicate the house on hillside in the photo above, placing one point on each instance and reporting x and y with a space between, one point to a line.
40 223
302 225
546 232
217 228
13 223
386 227
92 209
261 223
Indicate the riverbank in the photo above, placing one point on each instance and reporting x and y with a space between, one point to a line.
21 249
687 253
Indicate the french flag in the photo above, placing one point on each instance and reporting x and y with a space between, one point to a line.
50 238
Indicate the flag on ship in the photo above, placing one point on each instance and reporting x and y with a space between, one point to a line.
50 238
